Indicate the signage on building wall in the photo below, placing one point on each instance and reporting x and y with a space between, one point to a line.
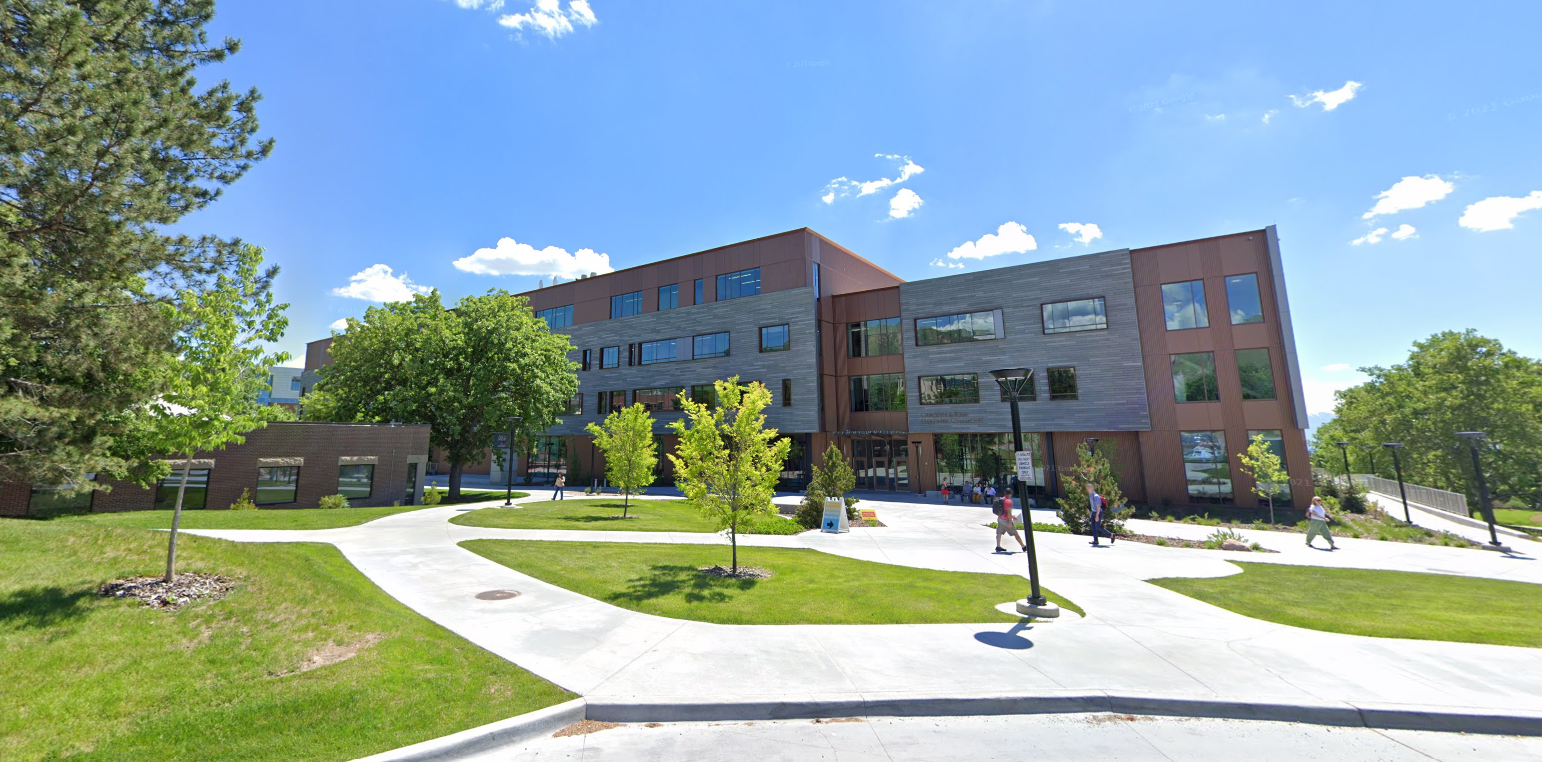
871 433
952 419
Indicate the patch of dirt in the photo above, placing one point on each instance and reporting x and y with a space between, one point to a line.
155 593
332 653
838 719
745 572
653 724
585 727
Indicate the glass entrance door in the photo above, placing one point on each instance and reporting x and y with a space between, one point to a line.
881 463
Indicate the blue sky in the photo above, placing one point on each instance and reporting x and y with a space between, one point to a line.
413 133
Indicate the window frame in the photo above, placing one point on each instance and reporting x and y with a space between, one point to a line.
860 336
621 302
786 338
1274 388
368 493
700 294
1223 460
1208 383
937 398
296 488
786 392
616 363
584 360
671 397
1194 315
547 315
1076 390
727 345
1102 310
171 482
897 402
698 391
575 409
998 329
656 345
1258 299
674 297
731 285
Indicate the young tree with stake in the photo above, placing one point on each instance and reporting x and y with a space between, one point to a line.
626 438
1265 468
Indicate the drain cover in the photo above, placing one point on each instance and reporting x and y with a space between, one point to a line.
497 595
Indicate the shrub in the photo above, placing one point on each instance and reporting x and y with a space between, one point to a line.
432 496
833 478
244 502
771 524
1096 467
1220 536
332 502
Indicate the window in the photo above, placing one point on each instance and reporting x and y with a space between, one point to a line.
1029 393
1256 373
557 317
575 405
47 501
659 351
1276 443
631 355
1194 377
661 400
1080 315
816 280
1062 384
623 305
872 338
1242 299
355 480
584 362
710 345
1184 305
669 297
277 484
950 390
774 338
610 357
700 297
1205 464
952 329
786 392
884 391
704 394
611 402
294 383
196 496
741 283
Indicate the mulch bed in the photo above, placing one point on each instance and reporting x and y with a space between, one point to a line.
585 727
155 593
745 572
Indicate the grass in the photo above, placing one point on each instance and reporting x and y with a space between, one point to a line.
262 518
807 587
1517 516
91 678
594 514
1385 604
1374 524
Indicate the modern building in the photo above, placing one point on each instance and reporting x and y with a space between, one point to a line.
1172 357
284 387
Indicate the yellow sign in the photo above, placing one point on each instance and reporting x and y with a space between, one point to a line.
868 513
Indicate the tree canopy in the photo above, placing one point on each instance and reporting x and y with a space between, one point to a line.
626 438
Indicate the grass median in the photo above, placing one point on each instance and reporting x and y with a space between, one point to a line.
242 678
1386 604
602 514
1520 517
806 586
262 518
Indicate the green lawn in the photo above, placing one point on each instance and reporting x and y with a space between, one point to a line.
1384 604
808 587
594 513
262 518
1516 516
93 678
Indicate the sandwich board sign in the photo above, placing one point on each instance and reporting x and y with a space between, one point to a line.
835 516
1025 466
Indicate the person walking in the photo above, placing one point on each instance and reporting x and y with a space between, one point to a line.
1006 524
557 493
944 491
1317 524
1097 505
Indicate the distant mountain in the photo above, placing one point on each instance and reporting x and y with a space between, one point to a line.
1313 421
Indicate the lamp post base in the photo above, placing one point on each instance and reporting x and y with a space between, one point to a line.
1044 610
1500 548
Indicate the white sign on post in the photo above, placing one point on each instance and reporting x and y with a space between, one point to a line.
835 516
1025 466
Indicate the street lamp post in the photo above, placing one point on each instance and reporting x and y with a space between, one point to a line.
508 470
1013 381
1092 445
1344 448
1473 438
1397 466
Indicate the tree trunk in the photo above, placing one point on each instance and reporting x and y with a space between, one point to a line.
455 470
626 500
1271 509
176 519
733 537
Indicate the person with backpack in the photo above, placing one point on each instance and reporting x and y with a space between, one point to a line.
1006 524
1097 505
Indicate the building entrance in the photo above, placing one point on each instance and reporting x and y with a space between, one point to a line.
881 463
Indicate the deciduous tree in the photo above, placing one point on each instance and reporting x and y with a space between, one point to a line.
626 438
1260 462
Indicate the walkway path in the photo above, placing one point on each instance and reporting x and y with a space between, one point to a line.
1137 640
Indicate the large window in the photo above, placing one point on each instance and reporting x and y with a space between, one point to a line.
664 350
961 389
610 357
704 394
1029 393
49 501
1080 315
1062 384
1184 305
664 399
1194 377
622 305
884 391
775 338
710 345
1256 373
1205 464
1242 299
669 297
611 402
970 458
952 329
197 495
277 484
355 480
871 338
557 317
575 405
735 285
1276 443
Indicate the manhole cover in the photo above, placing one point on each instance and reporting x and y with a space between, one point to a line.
497 595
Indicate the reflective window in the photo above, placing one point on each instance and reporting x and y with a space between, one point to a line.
699 296
659 351
664 399
294 383
355 481
557 317
584 363
197 495
1242 299
786 392
47 501
1276 443
711 345
972 458
704 394
623 305
575 405
1256 373
952 329
1205 465
1029 393
872 338
960 389
1080 315
1184 305
883 391
610 357
1062 384
774 338
669 297
1194 377
741 283
611 402
277 484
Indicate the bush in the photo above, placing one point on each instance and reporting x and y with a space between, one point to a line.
1220 536
432 496
833 478
1098 469
332 502
244 502
771 524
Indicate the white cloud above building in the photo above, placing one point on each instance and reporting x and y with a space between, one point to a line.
1411 192
1498 212
510 257
904 203
845 187
1328 99
379 283
1010 238
1084 233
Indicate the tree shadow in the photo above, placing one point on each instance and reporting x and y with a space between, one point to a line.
1010 639
663 580
42 607
592 519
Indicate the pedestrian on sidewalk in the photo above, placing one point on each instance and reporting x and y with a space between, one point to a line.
1317 524
1097 505
945 491
1005 524
557 493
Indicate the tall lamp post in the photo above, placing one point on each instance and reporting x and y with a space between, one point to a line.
1473 438
508 471
1397 466
1092 445
1013 381
1344 448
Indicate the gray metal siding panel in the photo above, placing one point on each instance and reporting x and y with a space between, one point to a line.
1287 332
1110 380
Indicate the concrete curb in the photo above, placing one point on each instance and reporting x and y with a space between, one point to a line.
1393 501
491 736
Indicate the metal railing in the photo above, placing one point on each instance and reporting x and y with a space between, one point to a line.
1439 499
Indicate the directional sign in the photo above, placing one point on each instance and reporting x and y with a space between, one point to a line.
1025 466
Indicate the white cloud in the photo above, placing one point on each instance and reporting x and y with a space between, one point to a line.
1405 232
1498 212
1215 117
510 257
1084 233
950 265
545 17
1010 238
377 283
1330 99
1374 236
341 324
1270 114
842 187
903 203
1411 192
1338 367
